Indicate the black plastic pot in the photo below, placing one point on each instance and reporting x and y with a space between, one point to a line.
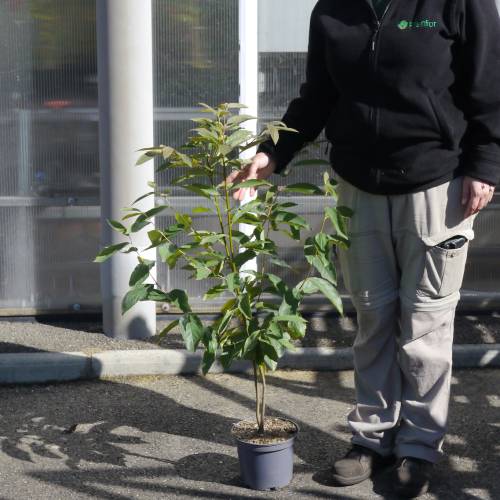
266 466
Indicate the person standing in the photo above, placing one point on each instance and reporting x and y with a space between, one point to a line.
409 95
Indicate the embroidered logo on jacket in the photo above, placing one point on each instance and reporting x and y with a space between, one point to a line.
426 23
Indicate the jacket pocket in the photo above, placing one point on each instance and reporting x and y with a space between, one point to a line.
442 120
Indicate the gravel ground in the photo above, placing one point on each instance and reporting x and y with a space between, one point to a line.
168 437
86 336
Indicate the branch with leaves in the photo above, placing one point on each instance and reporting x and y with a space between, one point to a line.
251 326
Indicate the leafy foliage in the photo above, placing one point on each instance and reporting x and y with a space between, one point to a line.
261 316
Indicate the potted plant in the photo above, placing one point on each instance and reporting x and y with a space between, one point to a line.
260 317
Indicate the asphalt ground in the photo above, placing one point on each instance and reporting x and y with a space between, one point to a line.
168 437
56 335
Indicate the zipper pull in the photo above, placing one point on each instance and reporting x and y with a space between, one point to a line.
375 33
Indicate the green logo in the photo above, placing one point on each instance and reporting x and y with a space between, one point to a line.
424 23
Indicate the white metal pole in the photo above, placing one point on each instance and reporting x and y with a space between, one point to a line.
249 84
125 70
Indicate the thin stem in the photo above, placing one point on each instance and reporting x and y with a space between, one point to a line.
257 399
262 370
268 215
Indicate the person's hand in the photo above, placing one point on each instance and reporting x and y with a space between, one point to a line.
262 167
476 195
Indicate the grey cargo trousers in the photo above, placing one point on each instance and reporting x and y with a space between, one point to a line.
405 290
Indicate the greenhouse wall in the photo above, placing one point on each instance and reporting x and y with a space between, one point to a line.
49 172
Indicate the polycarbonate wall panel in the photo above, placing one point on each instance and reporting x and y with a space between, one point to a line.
283 35
49 171
195 60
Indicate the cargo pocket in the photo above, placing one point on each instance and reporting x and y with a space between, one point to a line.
443 271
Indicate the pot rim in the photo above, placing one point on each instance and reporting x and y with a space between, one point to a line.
284 442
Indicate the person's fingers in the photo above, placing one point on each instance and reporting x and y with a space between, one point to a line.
250 173
466 185
232 176
471 205
260 168
236 177
483 201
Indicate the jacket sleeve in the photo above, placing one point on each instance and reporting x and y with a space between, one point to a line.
308 113
479 28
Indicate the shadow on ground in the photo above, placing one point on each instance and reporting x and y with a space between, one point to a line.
169 437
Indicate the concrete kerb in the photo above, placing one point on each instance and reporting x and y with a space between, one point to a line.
43 367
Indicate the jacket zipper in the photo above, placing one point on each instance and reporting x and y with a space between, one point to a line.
373 114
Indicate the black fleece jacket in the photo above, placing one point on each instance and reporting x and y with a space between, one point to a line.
409 101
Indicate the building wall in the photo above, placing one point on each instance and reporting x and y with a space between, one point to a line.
49 171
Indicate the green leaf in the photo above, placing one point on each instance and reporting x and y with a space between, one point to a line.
207 134
273 132
208 109
184 159
202 189
156 237
183 220
140 223
250 345
212 238
142 197
271 364
303 188
149 155
290 218
245 306
168 328
297 325
138 293
156 210
251 183
201 270
108 251
169 253
233 280
243 257
167 151
345 211
201 210
179 299
238 119
337 220
238 137
236 105
214 292
208 360
191 330
317 253
313 285
141 272
118 226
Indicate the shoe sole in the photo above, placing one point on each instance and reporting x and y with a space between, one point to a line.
350 481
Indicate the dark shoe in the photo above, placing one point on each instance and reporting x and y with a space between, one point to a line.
411 477
358 465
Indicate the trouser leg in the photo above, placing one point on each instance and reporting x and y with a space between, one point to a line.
431 278
377 379
370 275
